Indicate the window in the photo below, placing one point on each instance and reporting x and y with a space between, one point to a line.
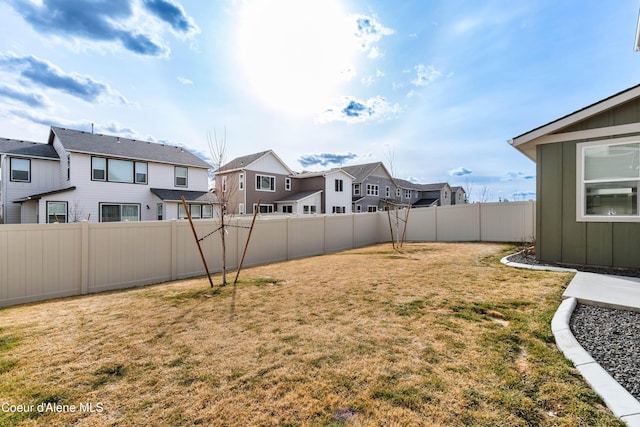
398 192
241 182
358 208
339 185
263 208
241 208
20 170
287 209
372 208
407 194
608 180
196 211
119 171
207 211
224 184
56 212
265 183
387 192
356 189
309 209
115 170
182 174
98 169
287 184
68 167
373 190
141 173
119 212
159 211
339 209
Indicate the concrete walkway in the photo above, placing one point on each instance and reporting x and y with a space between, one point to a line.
606 291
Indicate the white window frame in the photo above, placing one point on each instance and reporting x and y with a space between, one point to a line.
14 169
241 209
356 189
121 206
407 194
272 185
287 184
241 182
373 190
265 208
51 216
581 215
372 208
339 185
387 192
180 177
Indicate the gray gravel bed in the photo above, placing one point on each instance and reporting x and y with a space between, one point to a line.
612 338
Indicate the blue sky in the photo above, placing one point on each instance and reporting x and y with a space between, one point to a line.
436 86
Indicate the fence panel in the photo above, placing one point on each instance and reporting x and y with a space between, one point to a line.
43 261
507 222
40 263
458 223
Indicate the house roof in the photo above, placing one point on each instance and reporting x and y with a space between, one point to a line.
27 149
321 173
362 172
244 162
427 202
403 183
433 187
296 197
458 188
549 133
41 195
189 196
116 146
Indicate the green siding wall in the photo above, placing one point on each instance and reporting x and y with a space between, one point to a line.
559 237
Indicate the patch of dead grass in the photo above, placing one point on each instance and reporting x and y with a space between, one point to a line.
437 334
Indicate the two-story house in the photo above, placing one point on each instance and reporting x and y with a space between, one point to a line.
262 176
439 194
84 176
373 187
336 188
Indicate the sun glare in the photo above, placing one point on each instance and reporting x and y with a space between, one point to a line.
296 54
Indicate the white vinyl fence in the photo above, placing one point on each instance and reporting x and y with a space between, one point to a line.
44 261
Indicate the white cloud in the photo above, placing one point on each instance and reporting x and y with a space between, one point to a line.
425 75
352 110
184 80
460 171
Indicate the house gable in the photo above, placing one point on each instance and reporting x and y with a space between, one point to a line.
616 115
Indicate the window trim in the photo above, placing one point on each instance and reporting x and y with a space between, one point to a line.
581 215
11 178
287 183
175 176
66 210
356 189
134 170
241 182
272 188
121 205
339 185
373 190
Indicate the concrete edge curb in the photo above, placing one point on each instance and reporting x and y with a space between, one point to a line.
622 403
505 261
617 398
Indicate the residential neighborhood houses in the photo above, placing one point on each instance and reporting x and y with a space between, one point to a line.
80 175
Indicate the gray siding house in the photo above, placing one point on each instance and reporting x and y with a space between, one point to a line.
373 187
587 179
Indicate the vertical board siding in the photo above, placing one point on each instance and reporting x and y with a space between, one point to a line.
549 193
43 261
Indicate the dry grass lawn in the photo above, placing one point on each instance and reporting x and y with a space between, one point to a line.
435 335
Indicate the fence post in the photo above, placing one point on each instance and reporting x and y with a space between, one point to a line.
174 249
84 257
